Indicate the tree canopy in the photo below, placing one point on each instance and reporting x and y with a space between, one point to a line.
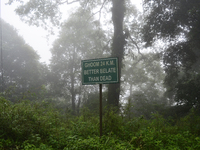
177 23
80 38
38 12
22 70
172 25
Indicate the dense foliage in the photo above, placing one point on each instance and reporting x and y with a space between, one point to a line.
80 38
39 13
39 126
48 108
21 69
176 22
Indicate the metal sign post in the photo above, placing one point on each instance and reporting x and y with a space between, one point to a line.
100 108
100 71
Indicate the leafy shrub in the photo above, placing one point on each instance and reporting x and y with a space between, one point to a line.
39 126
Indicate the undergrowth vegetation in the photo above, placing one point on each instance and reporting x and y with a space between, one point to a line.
39 126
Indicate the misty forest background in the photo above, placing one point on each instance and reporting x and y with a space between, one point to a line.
156 105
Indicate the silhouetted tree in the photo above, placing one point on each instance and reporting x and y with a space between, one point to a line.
176 22
21 67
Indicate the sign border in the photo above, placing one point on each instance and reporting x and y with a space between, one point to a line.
99 82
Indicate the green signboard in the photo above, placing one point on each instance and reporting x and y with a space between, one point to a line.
100 71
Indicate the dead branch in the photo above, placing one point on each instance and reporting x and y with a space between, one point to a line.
68 2
99 11
136 46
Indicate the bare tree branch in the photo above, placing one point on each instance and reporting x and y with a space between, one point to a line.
107 44
68 2
99 11
127 35
136 45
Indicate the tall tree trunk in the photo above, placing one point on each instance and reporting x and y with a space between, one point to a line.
72 76
118 10
79 101
73 95
131 93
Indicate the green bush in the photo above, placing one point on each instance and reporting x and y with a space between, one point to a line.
39 126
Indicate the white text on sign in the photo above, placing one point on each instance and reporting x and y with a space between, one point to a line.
101 78
101 63
99 71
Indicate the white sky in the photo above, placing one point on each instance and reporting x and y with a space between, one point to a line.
34 36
